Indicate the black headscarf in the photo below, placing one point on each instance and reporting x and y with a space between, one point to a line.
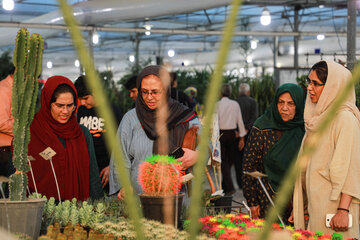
179 115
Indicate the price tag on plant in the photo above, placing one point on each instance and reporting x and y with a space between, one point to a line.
47 153
187 177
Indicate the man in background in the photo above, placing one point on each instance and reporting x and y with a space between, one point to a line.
87 116
130 85
6 121
249 112
231 125
177 94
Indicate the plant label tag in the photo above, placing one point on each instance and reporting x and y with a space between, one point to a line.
30 158
47 153
187 177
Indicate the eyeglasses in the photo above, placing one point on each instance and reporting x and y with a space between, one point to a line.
155 93
313 83
69 107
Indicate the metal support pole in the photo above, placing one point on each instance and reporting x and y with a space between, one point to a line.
296 40
91 49
171 31
271 201
2 190
137 47
351 34
258 176
90 43
176 196
276 50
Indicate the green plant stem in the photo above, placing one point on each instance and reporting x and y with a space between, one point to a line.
27 62
104 110
212 95
308 148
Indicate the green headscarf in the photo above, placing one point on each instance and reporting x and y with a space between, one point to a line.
280 156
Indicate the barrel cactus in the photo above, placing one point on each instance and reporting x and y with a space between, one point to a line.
160 175
27 60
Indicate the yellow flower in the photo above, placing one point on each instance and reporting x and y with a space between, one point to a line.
259 223
289 228
295 235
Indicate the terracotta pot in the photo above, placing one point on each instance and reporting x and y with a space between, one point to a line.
22 216
154 208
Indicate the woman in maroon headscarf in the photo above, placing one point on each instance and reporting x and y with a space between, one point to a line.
61 147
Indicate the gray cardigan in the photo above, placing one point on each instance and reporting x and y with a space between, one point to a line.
136 147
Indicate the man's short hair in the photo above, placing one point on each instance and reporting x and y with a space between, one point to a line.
226 90
131 83
81 87
244 88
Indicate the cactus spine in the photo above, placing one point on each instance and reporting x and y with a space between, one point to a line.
27 60
160 175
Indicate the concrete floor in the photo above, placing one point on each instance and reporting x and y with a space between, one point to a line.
238 195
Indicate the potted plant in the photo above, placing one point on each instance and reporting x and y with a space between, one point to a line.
21 214
160 178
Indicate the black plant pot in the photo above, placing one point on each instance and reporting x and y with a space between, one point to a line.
223 203
154 206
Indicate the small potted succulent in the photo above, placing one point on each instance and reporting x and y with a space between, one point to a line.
160 178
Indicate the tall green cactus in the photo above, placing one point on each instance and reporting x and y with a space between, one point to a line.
27 61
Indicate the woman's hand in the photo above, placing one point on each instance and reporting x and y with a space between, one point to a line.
241 144
189 158
255 212
291 217
104 175
121 194
340 221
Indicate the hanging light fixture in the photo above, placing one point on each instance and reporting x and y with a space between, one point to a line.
49 64
147 28
253 43
171 53
185 63
77 63
132 58
265 18
95 37
320 37
8 5
249 59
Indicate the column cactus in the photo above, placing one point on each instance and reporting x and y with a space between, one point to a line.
27 60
